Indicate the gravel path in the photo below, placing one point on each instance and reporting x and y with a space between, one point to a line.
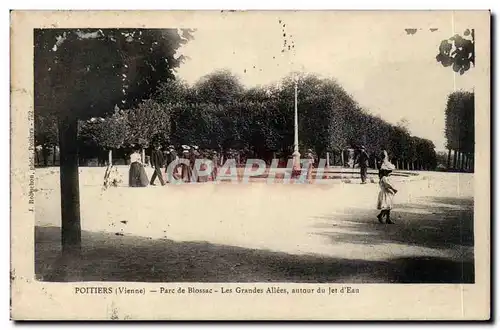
262 232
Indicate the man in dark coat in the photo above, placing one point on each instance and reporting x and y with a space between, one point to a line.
170 156
157 163
362 160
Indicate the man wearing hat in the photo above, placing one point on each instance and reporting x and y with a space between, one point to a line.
157 163
171 156
185 169
362 160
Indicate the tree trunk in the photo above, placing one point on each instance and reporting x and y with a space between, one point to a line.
45 155
454 159
110 157
327 160
70 194
143 156
54 156
449 159
463 161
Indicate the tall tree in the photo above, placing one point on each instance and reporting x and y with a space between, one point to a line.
149 122
459 124
84 73
110 133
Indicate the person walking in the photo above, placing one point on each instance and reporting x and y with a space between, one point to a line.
386 193
311 158
186 171
157 164
193 156
137 176
362 160
171 156
215 165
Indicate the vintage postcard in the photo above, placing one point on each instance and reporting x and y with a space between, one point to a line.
250 165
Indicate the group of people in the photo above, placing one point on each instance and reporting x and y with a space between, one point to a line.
160 160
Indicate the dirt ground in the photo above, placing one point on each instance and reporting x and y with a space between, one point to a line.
261 232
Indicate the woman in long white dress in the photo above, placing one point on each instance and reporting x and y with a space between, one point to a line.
137 174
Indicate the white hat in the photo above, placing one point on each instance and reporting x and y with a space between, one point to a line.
387 166
185 147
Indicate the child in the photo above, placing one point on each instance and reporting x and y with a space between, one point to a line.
386 194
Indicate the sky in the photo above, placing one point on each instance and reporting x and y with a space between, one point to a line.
389 72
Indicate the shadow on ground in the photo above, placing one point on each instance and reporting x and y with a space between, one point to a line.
439 223
107 257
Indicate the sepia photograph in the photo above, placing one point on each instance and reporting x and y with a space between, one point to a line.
237 153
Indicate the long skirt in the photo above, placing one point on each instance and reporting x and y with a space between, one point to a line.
384 200
137 176
309 172
203 178
186 173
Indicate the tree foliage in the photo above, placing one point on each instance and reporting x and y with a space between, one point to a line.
458 52
46 133
259 120
219 87
111 132
84 73
149 122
